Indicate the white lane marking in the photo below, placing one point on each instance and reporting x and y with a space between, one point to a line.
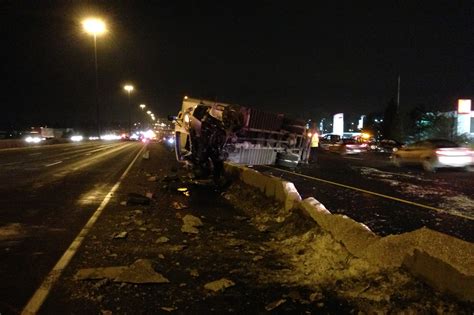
55 163
34 304
35 154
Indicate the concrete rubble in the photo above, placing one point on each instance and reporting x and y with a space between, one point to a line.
190 224
140 272
219 285
440 260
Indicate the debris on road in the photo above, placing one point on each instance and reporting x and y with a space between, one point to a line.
274 304
162 239
152 178
140 272
178 205
194 273
137 199
190 223
169 309
149 195
120 235
219 285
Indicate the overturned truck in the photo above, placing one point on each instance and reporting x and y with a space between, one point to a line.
208 133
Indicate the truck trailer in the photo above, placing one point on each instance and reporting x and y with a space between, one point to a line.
209 132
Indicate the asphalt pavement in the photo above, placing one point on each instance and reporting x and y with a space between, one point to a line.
239 241
47 194
389 200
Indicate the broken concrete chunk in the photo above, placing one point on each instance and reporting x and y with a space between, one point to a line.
189 229
177 248
257 258
99 273
274 304
162 239
194 273
123 203
137 199
192 220
149 195
190 224
120 235
178 205
219 285
169 309
152 179
141 271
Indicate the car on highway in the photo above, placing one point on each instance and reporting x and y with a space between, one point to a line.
433 154
328 140
348 146
386 146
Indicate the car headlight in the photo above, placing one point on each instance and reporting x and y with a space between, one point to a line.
76 138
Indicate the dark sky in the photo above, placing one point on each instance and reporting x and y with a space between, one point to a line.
283 56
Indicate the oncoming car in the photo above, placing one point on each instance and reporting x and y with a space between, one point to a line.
433 154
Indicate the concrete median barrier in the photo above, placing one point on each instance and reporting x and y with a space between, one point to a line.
442 261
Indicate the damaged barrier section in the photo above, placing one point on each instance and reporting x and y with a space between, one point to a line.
444 262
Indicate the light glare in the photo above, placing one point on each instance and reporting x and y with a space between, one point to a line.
94 26
128 88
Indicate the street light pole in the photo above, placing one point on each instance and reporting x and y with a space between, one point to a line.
95 27
129 116
129 88
97 86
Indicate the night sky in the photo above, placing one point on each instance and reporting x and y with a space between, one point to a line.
305 60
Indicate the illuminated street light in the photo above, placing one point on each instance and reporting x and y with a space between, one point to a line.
129 88
148 112
142 106
95 27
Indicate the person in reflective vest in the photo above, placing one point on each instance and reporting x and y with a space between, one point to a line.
314 145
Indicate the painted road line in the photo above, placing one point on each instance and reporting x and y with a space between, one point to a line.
370 192
352 158
34 304
55 163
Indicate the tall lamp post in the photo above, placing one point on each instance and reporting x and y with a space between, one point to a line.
129 88
95 27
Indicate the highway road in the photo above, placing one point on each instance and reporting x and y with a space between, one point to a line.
389 200
47 194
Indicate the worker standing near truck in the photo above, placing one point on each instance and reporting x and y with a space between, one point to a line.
314 145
